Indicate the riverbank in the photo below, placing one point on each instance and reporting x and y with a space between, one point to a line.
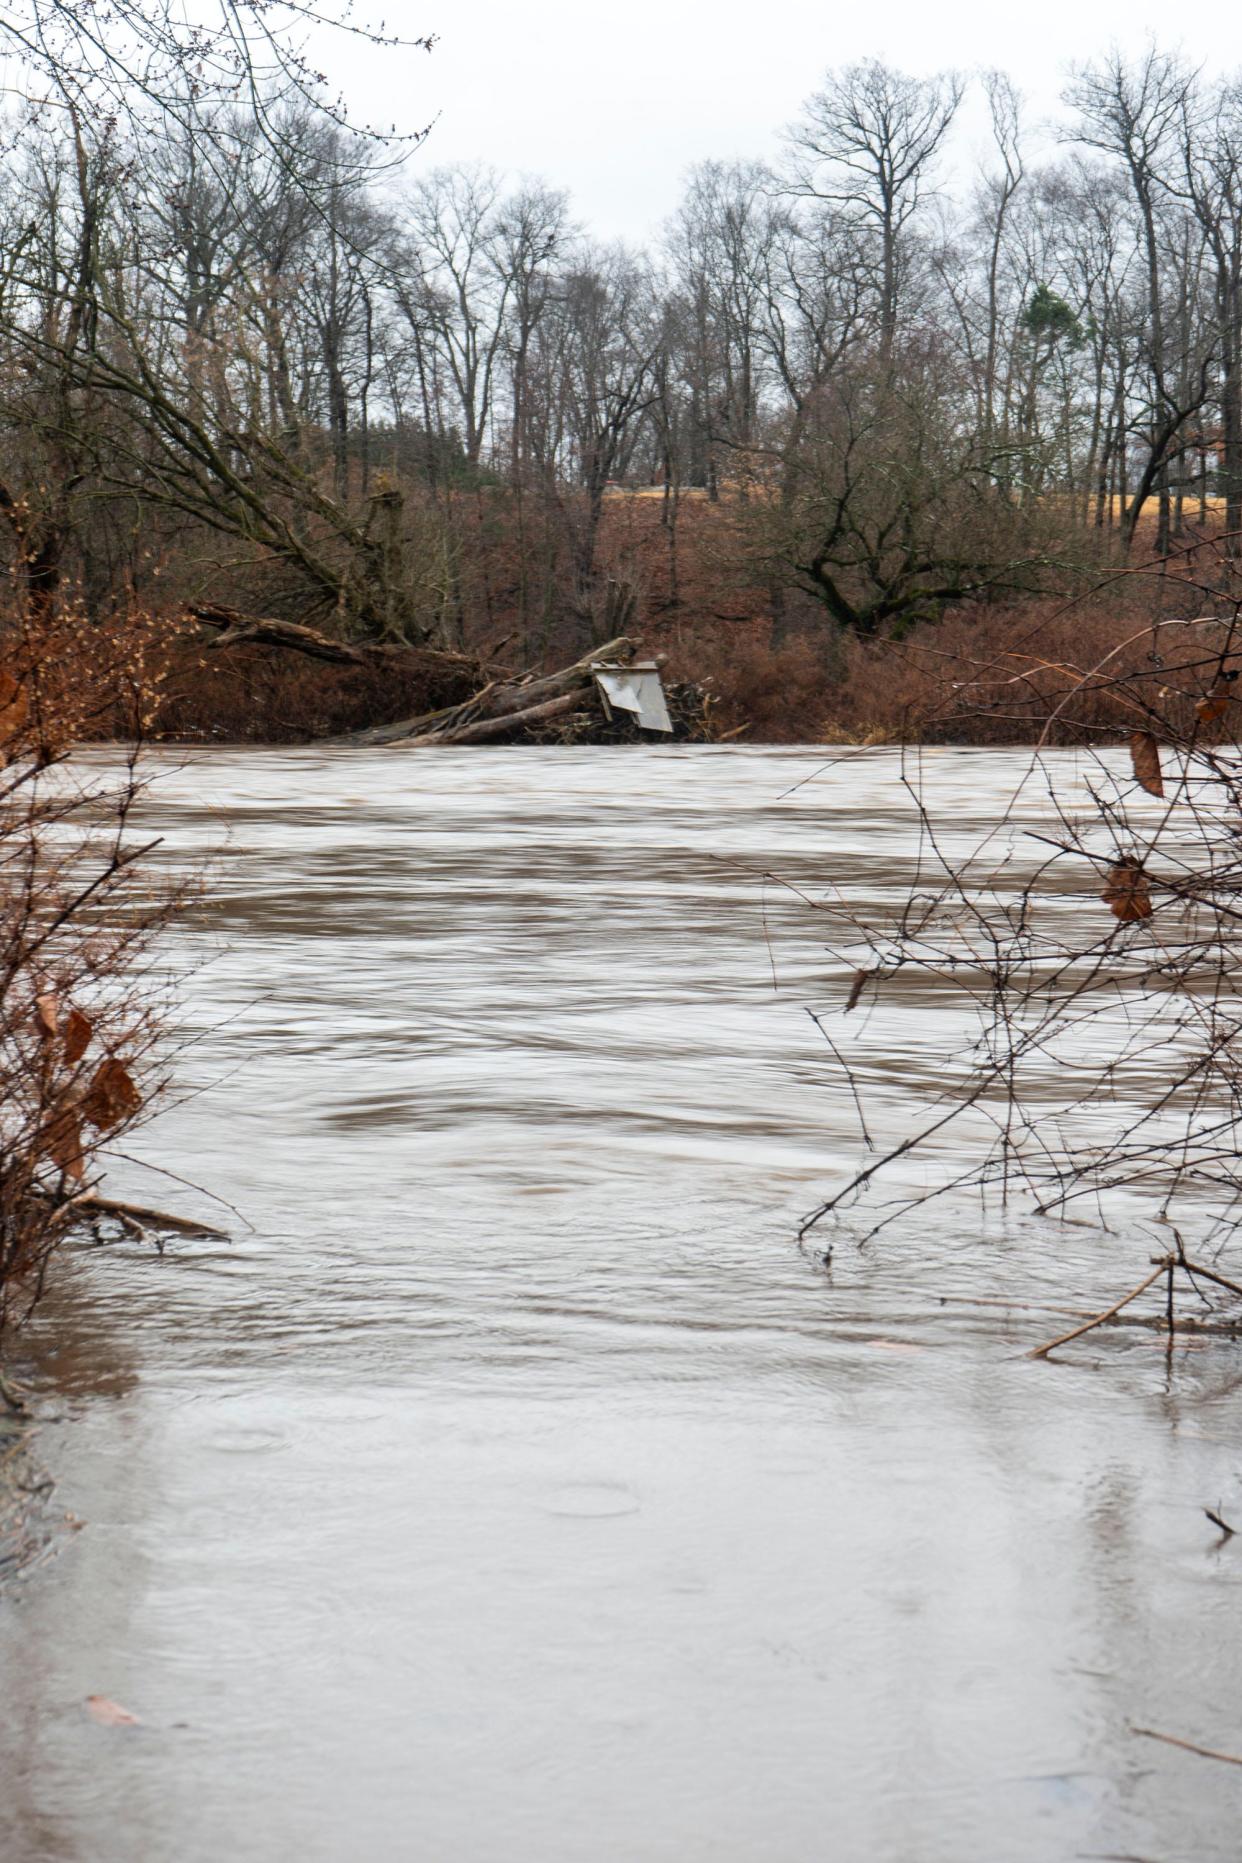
1032 672
27 1534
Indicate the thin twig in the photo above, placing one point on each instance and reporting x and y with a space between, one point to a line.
1192 1268
1043 1350
1188 1746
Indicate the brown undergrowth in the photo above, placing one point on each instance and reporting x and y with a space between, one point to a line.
82 1000
990 677
776 668
200 694
1042 672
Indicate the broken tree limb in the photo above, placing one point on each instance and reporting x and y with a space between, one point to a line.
1099 1319
1188 1746
238 630
241 630
426 724
516 698
1208 1274
87 1204
158 1219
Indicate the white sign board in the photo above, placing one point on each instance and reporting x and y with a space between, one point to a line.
635 689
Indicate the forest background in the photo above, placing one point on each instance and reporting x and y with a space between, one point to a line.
865 449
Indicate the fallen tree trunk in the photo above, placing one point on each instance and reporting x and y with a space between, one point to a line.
510 724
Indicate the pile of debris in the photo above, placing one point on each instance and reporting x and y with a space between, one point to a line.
609 696
689 709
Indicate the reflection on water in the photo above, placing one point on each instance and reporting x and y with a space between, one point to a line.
513 1488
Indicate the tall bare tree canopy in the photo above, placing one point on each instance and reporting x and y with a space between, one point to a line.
250 354
868 141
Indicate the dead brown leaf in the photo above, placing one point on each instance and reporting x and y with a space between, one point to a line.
856 989
110 1713
1127 892
1215 705
111 1097
78 1032
14 707
1145 756
47 1015
62 1142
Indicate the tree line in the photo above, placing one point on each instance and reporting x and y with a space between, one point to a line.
262 357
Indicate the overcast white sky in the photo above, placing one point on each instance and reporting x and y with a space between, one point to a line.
615 100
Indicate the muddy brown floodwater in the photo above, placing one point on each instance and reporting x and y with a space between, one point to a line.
513 1488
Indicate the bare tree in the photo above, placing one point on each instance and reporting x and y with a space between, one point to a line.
1211 140
997 197
458 296
600 354
1134 114
718 243
868 141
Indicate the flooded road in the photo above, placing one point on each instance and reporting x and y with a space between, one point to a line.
512 1487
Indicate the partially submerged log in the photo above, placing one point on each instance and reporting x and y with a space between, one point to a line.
507 708
509 724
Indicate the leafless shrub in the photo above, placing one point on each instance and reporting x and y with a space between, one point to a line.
79 994
774 695
1094 934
